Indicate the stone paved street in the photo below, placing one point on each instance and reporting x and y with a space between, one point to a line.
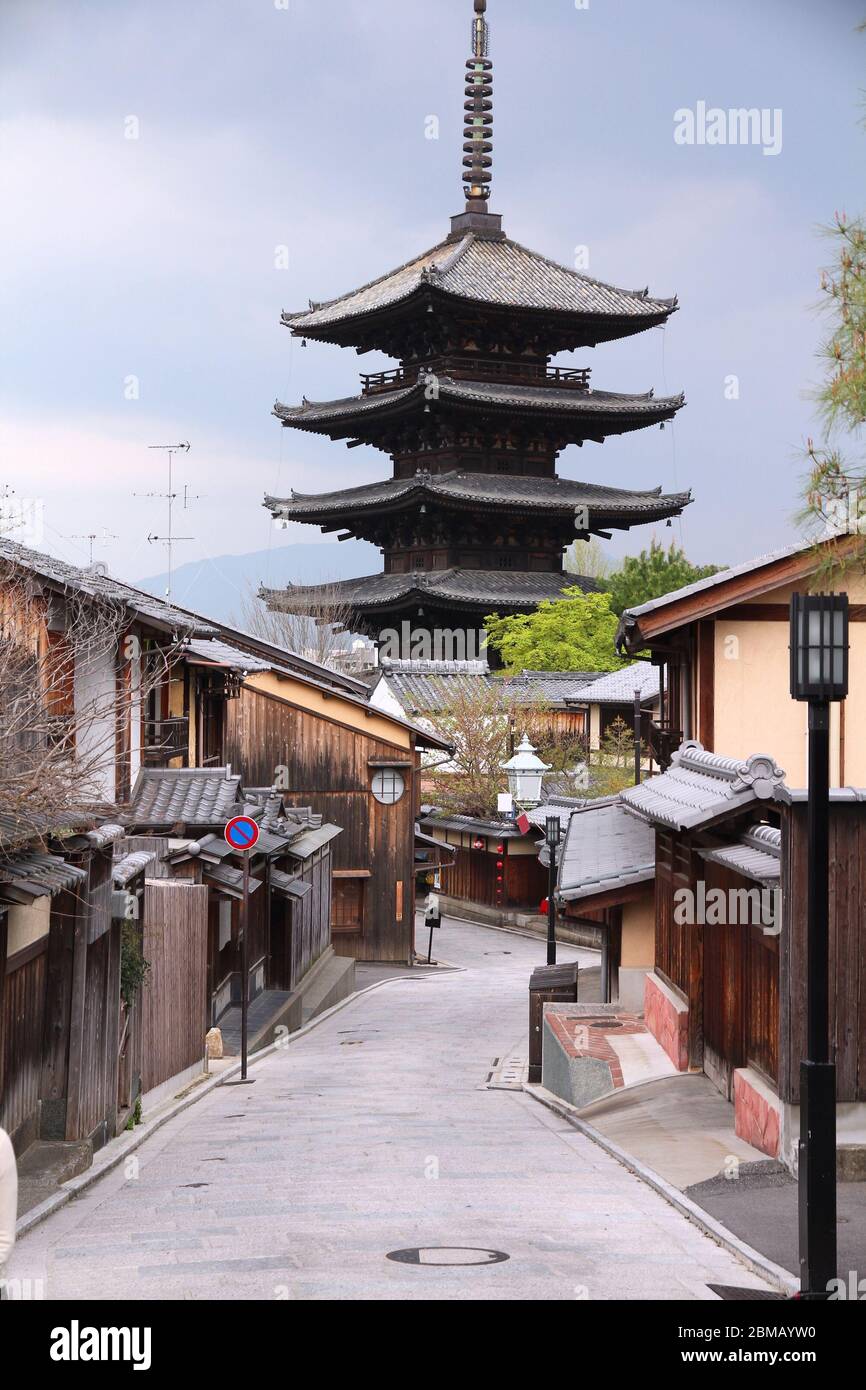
373 1133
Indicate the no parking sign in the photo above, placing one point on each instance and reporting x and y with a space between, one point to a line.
242 832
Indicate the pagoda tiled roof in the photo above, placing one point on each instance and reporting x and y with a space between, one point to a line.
494 272
453 587
597 408
543 495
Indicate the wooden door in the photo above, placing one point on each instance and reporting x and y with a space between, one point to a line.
174 997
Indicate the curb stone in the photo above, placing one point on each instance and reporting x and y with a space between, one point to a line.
780 1278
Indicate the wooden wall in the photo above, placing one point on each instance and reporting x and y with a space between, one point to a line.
847 949
474 874
22 1021
329 769
174 999
311 915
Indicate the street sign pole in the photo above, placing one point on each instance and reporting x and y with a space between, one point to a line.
242 834
245 965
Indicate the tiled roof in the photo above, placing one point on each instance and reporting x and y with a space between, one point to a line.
563 807
700 787
221 654
498 588
18 829
302 846
421 690
605 411
130 866
631 617
188 796
605 849
618 687
286 883
97 585
493 272
229 879
491 829
29 876
756 855
555 686
546 495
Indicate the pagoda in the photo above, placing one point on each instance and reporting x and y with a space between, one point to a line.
474 519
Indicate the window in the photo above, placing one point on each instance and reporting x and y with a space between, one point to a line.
347 906
388 786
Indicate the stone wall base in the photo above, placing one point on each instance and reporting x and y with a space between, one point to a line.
757 1112
667 1018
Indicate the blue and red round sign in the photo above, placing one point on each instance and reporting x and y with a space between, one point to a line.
242 832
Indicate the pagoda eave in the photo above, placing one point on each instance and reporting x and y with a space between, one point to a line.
544 499
574 415
465 590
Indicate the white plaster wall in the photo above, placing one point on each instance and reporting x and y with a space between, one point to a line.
28 924
95 703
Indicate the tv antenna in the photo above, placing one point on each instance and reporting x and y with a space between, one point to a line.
169 540
102 537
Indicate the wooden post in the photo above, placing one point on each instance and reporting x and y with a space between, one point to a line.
76 1013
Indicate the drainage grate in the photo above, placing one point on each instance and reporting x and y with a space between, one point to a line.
510 1073
447 1255
734 1295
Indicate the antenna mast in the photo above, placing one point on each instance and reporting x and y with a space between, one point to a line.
170 539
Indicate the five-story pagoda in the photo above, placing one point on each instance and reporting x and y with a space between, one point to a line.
474 519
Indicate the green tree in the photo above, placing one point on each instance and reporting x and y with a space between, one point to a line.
574 633
836 488
651 574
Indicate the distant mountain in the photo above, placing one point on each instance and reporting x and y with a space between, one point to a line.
216 587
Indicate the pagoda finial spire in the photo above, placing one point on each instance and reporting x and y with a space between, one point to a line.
478 131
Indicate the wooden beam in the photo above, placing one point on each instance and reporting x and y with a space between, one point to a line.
75 1079
707 684
729 592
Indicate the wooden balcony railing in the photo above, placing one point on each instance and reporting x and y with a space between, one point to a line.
664 740
164 740
478 369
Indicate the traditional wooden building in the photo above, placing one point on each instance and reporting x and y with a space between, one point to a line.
183 814
606 886
726 994
721 647
495 875
59 983
548 700
312 735
474 519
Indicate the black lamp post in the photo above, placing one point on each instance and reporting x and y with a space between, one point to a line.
819 676
552 834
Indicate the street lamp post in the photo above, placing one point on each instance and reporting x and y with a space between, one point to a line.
553 834
819 677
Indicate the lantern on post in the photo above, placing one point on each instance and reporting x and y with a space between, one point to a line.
819 677
524 772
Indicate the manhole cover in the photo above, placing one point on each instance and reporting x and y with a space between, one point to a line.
447 1255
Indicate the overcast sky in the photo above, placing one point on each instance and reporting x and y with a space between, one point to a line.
261 126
